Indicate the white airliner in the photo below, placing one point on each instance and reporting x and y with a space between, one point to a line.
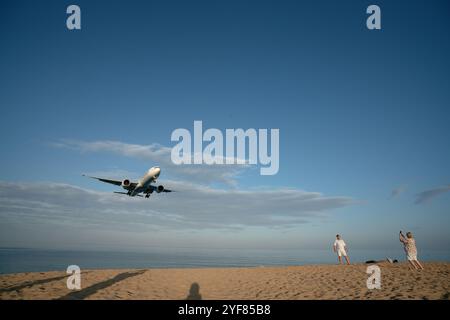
144 185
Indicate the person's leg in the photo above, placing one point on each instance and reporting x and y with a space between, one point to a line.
340 259
412 263
418 264
346 258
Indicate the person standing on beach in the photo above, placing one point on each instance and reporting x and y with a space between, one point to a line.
409 245
341 249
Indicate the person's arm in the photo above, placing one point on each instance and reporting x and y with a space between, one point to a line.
334 246
402 238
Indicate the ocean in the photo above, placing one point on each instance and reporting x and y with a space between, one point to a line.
15 260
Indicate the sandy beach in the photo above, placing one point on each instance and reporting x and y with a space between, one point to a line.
293 282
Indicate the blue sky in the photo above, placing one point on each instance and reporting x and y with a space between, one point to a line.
361 113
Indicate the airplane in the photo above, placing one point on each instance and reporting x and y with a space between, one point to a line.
144 185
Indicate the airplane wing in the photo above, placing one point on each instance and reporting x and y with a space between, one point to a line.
115 182
138 195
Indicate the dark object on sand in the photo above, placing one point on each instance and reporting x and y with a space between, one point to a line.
371 261
387 259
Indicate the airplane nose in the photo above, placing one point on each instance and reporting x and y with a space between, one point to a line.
155 171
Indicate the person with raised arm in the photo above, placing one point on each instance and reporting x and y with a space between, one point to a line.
409 245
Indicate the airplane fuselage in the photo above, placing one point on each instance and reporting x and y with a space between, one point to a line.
149 177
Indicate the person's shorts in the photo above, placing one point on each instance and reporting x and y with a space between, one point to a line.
341 252
411 256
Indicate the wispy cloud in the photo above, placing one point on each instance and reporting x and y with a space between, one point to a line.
427 195
160 155
398 191
193 207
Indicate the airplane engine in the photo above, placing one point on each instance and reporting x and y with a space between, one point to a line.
160 189
125 183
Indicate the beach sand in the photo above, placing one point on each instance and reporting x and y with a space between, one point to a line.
293 282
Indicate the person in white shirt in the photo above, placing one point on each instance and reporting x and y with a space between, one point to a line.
341 249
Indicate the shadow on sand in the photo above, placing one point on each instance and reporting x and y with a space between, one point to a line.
29 284
194 292
84 293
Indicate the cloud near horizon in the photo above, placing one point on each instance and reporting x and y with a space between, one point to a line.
197 205
193 207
